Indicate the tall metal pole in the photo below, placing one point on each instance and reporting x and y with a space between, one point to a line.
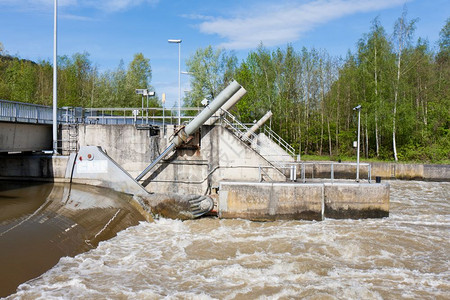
55 89
179 83
357 154
164 117
179 77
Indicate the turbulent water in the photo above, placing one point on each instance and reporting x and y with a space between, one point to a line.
404 256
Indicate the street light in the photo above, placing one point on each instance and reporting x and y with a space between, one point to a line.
179 77
55 82
358 108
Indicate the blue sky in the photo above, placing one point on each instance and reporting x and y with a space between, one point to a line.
111 30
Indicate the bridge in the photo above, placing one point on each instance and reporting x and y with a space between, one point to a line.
26 127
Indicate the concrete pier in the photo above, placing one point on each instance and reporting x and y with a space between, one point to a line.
312 201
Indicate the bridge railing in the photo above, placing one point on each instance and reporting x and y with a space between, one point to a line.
130 115
12 111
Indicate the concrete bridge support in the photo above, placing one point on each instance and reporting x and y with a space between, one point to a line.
21 137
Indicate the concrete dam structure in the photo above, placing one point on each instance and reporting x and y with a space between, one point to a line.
203 167
213 165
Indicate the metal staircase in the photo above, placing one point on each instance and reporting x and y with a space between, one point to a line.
237 127
239 130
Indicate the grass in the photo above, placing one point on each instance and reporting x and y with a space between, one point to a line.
362 159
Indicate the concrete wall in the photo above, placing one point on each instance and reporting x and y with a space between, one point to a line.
353 200
131 148
270 201
39 167
271 150
213 155
411 171
315 201
384 170
25 137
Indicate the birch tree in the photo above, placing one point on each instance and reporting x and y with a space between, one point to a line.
403 31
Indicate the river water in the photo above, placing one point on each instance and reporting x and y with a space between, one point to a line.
404 256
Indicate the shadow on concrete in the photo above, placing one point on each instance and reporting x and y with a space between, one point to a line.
155 172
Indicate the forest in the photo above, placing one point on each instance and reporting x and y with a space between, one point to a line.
402 85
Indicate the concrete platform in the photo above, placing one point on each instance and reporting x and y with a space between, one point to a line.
311 201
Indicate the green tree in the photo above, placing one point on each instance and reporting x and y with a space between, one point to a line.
138 76
375 61
211 71
403 31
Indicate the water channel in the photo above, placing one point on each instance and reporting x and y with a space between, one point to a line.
404 256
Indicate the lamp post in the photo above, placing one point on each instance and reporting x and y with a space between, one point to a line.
358 108
163 100
179 77
55 89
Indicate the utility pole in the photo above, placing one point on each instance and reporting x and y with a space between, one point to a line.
173 41
55 84
358 108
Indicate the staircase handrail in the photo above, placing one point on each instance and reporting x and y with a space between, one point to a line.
279 140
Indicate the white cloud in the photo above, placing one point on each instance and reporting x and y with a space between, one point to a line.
118 5
277 24
104 5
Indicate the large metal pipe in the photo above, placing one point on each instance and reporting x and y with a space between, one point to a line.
195 124
161 156
257 125
214 106
227 106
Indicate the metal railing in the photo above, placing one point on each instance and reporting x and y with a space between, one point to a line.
130 115
12 111
279 140
293 167
238 128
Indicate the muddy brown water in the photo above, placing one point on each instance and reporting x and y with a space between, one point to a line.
40 223
405 256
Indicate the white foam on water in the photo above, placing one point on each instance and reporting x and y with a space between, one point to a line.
403 256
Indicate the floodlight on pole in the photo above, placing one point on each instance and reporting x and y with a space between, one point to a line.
358 108
147 93
177 41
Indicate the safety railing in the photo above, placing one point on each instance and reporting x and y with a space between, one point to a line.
130 115
238 128
293 167
12 111
279 140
